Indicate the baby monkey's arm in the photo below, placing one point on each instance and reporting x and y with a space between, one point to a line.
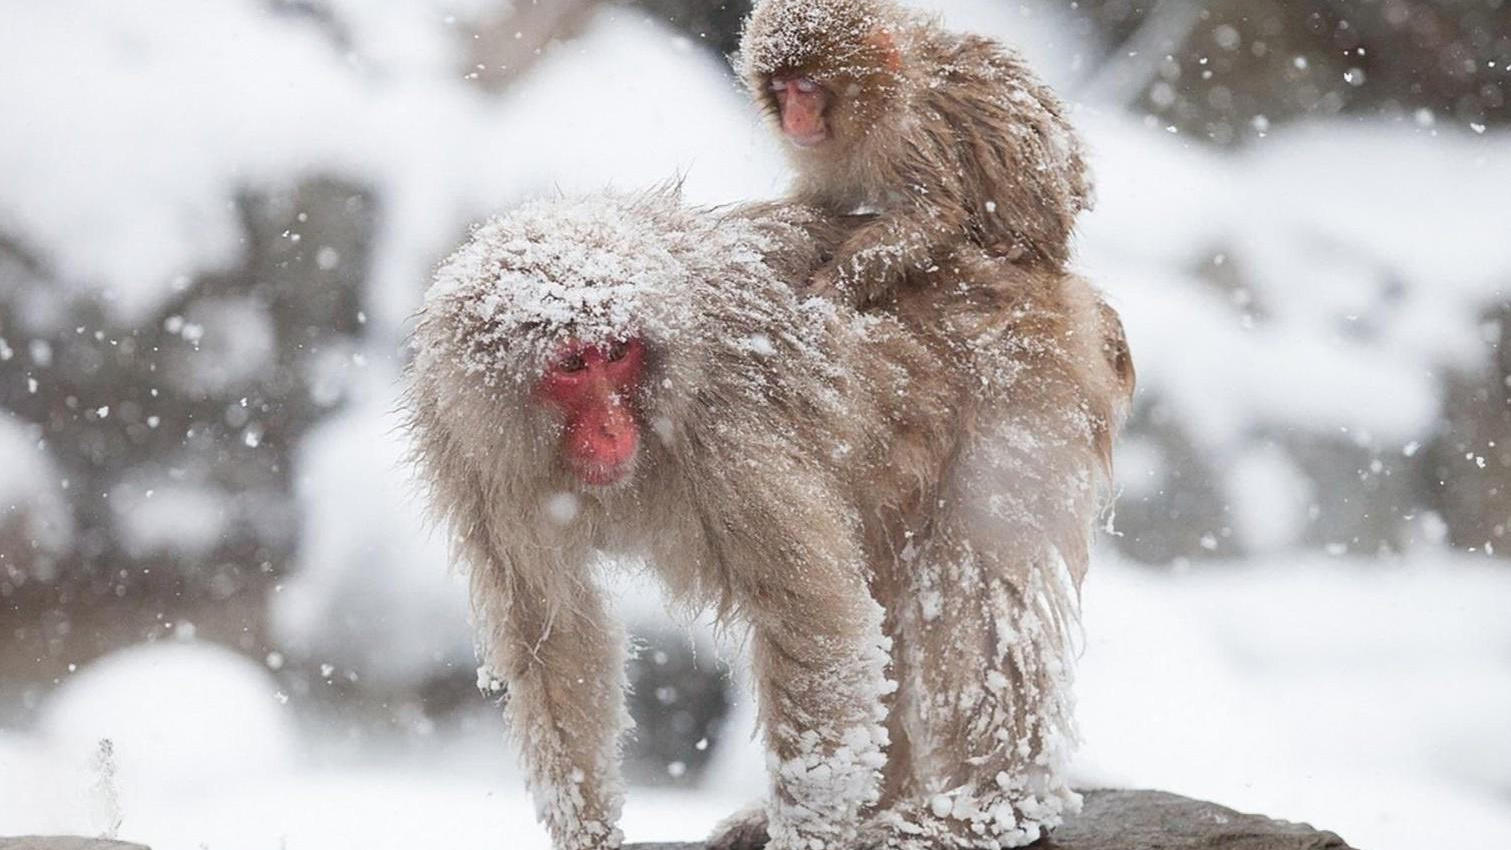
879 255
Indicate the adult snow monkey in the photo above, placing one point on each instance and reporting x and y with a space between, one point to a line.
947 137
900 521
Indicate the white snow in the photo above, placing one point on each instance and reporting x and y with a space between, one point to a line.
26 464
233 340
1269 497
562 508
1363 288
177 715
371 593
31 496
1351 694
157 515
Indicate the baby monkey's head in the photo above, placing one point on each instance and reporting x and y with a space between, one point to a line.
826 70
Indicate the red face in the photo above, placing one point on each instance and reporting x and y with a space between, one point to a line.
803 104
595 387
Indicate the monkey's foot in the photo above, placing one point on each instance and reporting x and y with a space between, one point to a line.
743 830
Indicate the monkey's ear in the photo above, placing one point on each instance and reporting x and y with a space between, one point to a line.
886 49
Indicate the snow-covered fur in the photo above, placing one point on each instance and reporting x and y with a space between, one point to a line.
857 489
947 136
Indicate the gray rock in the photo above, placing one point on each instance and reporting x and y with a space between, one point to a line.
1111 820
1154 820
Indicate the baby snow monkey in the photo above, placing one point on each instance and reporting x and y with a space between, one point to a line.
947 138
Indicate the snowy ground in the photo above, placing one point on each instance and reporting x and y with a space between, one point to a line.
1371 698
1377 708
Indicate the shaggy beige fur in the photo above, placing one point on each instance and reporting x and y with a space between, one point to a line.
896 503
947 137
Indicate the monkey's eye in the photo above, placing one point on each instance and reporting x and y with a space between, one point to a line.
805 85
618 350
571 363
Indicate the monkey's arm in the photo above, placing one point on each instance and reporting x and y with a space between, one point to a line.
876 258
543 633
562 662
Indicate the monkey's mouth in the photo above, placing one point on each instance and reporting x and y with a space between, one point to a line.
604 472
602 476
809 140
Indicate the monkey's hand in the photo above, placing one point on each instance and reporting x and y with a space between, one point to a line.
825 282
834 281
876 260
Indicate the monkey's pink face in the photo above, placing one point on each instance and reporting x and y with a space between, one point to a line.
594 387
802 102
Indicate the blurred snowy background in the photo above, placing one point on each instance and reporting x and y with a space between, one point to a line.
216 216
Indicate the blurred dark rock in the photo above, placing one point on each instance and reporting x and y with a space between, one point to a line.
204 399
1468 474
1228 70
679 701
713 24
505 45
1155 820
1183 512
1363 496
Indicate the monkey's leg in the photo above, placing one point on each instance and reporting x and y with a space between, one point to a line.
891 589
988 711
991 638
748 829
819 661
562 661
821 684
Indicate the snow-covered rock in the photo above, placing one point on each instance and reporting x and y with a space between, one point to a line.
175 714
